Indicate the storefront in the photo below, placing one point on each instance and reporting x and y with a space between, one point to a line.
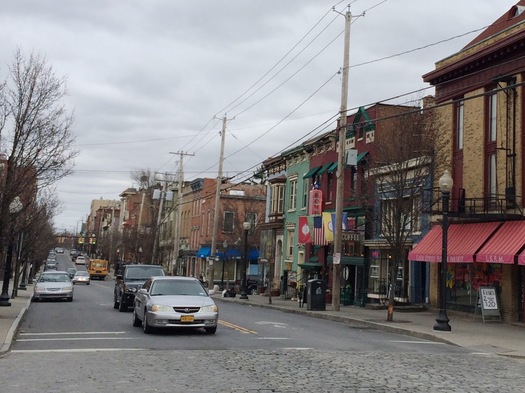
484 254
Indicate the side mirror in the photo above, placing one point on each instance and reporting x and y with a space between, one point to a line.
143 290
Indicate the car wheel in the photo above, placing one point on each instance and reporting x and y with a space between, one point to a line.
34 299
88 283
145 326
122 306
115 303
136 321
211 330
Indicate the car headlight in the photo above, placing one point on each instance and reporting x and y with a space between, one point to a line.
70 288
160 307
210 308
39 289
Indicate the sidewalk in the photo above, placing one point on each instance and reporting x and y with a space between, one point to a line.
10 317
467 331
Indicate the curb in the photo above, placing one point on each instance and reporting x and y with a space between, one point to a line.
14 328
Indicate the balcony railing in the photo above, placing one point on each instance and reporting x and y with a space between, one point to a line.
497 206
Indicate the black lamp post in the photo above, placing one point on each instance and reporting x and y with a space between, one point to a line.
14 207
445 185
246 226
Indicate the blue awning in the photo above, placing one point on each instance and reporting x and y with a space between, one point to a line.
203 252
230 254
253 254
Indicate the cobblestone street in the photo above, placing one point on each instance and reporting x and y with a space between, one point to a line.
259 371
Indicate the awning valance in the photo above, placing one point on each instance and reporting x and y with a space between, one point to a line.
505 244
324 168
353 261
464 241
309 266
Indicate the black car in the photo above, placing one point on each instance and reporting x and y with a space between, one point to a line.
129 280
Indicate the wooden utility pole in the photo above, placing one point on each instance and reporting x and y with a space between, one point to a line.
179 211
336 274
216 209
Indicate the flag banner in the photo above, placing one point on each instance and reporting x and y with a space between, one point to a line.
304 230
345 223
328 227
319 237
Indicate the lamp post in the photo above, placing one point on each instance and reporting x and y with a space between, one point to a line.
14 207
445 185
246 226
225 245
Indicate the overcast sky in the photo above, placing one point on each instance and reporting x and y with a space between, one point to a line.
150 77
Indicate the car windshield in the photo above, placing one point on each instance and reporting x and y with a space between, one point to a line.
54 278
176 287
143 273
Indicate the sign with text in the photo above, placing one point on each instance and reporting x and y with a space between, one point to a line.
488 302
316 203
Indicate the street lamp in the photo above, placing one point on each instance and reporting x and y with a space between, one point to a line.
224 256
14 207
246 226
445 185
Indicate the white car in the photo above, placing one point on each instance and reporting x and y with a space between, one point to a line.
53 285
174 302
80 260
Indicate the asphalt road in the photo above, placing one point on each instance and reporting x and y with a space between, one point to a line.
87 346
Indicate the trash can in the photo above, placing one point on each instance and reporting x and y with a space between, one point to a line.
315 295
346 295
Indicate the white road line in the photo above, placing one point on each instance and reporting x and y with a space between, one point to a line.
74 339
273 338
416 342
68 333
76 350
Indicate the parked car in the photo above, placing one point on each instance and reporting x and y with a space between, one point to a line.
80 260
71 272
81 277
129 280
53 285
174 302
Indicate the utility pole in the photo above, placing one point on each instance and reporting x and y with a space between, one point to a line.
156 240
336 276
179 210
216 209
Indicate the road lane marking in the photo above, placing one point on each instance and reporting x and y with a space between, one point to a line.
74 339
67 333
75 350
273 338
237 327
416 342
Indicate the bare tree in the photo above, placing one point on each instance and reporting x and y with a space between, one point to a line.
35 130
405 155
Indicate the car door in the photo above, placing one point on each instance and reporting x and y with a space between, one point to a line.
141 298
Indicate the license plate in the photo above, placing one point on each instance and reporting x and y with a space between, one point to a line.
186 318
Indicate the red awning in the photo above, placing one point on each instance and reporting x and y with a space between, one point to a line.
464 240
504 245
429 248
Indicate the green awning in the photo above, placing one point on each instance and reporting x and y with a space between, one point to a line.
324 168
360 156
309 265
312 172
354 261
332 167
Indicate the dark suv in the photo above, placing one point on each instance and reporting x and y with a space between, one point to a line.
129 280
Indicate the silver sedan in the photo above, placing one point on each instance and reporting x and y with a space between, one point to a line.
174 302
53 284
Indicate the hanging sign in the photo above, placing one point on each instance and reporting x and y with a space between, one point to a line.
316 202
